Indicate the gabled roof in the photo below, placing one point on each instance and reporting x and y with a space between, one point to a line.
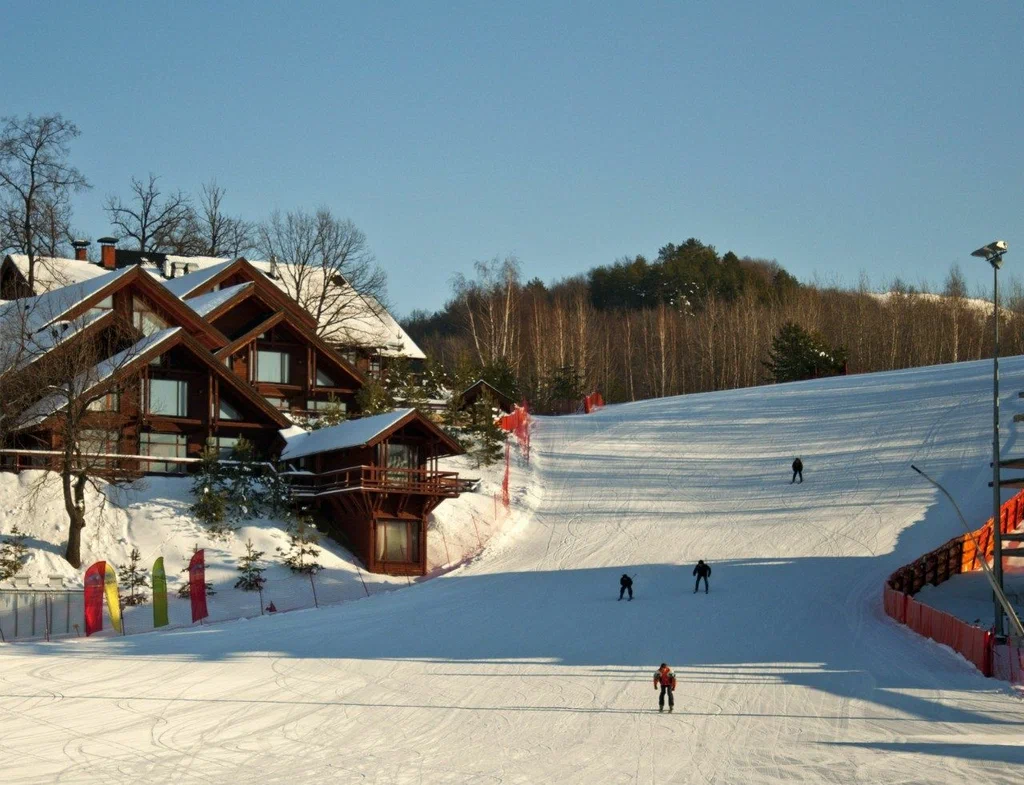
53 272
363 432
185 285
205 304
480 385
142 352
34 313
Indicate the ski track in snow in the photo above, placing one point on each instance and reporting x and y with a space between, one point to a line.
521 665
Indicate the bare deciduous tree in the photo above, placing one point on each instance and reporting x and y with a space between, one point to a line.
217 233
36 182
326 265
152 221
489 308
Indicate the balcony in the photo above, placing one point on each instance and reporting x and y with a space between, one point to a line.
379 479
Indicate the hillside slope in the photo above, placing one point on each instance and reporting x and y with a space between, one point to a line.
521 666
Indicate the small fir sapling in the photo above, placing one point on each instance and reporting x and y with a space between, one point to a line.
133 579
251 569
302 552
210 506
13 553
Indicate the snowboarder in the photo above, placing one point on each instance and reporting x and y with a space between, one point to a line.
702 570
666 679
798 469
626 584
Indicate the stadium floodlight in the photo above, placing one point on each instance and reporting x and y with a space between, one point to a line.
993 254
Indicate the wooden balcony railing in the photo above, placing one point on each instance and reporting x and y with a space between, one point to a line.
377 478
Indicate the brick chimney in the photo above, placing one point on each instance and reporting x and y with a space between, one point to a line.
80 253
108 252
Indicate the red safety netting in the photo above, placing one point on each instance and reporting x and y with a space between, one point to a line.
1008 661
974 643
517 422
592 402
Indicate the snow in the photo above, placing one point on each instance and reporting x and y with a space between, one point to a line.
351 433
33 313
183 285
54 272
519 666
207 303
969 596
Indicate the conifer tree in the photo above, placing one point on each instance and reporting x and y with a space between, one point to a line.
243 483
210 505
133 579
250 565
333 414
798 354
302 553
12 553
486 439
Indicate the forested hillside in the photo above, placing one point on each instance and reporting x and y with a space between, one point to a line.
691 320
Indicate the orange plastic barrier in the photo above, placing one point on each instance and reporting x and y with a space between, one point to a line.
592 402
518 422
952 558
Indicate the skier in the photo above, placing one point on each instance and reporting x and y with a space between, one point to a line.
702 570
798 469
666 679
626 584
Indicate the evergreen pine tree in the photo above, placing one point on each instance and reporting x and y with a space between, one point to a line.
210 505
486 441
797 354
12 553
332 414
302 551
374 398
249 565
243 483
132 579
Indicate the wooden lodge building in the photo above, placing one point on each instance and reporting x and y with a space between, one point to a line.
154 368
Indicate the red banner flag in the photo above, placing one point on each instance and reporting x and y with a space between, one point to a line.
93 600
197 585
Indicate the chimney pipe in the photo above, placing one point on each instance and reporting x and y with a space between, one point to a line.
80 253
108 252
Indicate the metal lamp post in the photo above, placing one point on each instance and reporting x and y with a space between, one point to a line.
993 254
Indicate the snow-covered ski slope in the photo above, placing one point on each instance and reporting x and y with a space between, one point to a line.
522 668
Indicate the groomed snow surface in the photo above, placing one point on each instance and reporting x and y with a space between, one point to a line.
521 667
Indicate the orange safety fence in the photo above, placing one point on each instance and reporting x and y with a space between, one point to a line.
518 422
592 402
954 557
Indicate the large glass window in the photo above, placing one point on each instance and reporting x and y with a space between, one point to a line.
145 319
226 446
398 541
323 379
164 445
99 442
108 402
228 412
106 304
313 405
278 403
272 367
168 397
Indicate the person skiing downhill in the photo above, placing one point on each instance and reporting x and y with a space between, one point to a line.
666 679
702 570
626 584
798 469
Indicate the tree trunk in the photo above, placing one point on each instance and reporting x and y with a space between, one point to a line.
74 505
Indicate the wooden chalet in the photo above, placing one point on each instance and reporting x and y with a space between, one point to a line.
480 388
212 357
381 469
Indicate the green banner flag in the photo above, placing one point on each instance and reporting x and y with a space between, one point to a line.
159 594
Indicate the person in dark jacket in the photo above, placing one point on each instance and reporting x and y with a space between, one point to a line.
625 584
798 469
701 571
666 679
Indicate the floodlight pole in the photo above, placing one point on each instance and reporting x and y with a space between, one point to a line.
997 502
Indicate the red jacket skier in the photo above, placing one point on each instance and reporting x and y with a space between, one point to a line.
666 679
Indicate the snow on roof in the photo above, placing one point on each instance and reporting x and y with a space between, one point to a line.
54 272
50 405
207 303
184 285
17 350
351 433
34 313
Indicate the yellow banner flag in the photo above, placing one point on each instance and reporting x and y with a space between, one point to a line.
113 599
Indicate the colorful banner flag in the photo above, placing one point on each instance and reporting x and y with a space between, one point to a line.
113 597
197 585
93 599
159 594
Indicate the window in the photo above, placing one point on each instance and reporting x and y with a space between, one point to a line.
375 365
398 541
108 402
164 445
106 304
229 412
226 446
272 367
144 318
101 442
313 405
169 397
399 457
278 403
324 380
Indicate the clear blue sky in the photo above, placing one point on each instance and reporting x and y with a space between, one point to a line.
883 137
